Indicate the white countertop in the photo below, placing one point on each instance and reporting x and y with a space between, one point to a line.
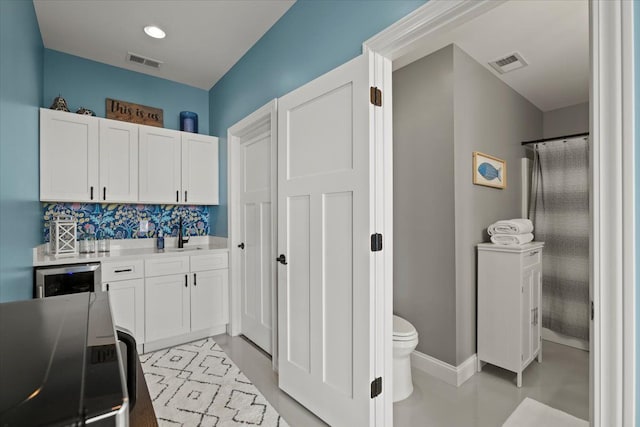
135 249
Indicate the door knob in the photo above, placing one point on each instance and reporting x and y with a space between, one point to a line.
241 245
282 259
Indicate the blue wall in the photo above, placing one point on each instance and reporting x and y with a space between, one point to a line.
86 83
636 36
20 96
313 37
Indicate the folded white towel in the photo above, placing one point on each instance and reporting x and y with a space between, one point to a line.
511 239
511 226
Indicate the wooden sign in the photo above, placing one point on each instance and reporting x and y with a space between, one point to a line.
134 113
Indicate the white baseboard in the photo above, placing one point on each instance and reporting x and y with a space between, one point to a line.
182 339
549 335
454 375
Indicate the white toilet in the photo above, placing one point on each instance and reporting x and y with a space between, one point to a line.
405 340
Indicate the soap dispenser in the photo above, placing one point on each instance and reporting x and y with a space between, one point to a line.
160 240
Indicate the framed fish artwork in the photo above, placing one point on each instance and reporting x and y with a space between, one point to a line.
489 171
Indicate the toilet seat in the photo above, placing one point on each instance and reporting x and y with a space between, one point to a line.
403 330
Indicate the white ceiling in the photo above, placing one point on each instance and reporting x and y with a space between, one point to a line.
204 38
551 35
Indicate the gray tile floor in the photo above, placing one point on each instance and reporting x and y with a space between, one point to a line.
485 400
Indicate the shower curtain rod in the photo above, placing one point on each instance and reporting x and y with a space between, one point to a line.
557 138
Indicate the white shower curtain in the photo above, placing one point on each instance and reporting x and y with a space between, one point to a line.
559 210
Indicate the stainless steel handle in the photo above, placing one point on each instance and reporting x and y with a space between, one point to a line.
40 292
125 270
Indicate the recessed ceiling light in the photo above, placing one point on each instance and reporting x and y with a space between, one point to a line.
155 32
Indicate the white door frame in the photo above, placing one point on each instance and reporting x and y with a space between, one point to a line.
265 119
612 183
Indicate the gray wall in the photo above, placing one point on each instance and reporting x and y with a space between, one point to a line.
446 106
492 118
423 202
566 121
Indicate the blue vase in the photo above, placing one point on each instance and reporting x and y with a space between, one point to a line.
188 121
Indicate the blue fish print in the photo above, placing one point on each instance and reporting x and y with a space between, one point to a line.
490 173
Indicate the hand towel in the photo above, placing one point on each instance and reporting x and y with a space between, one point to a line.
511 239
511 226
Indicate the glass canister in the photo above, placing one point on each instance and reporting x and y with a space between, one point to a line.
188 121
88 244
104 245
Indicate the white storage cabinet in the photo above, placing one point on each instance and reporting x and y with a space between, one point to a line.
124 281
92 159
68 157
118 162
185 295
509 301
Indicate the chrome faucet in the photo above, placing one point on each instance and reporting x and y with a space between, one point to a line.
181 239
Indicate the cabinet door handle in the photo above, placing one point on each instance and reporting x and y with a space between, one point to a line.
104 193
186 279
107 287
91 195
124 270
177 196
185 196
195 281
532 253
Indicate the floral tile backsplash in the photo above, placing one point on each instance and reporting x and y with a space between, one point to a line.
118 221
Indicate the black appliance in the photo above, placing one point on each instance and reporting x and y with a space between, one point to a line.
61 363
66 279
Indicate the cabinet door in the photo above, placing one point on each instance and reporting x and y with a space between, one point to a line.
118 161
68 157
199 169
209 299
536 295
527 314
127 305
159 165
167 306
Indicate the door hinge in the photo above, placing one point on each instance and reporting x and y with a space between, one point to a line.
592 311
376 96
376 387
376 242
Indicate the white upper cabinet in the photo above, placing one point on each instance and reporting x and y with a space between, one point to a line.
160 166
199 169
118 161
91 159
68 157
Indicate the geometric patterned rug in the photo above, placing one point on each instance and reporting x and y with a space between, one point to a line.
196 384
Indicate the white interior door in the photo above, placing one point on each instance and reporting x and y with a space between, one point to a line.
257 262
325 218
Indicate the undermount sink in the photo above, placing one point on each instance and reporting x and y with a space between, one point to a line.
182 249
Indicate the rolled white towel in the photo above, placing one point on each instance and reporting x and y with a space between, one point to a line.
512 239
511 226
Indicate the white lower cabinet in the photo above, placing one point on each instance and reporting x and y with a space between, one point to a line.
126 296
184 306
209 297
167 306
509 305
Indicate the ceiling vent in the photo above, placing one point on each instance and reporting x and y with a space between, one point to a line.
139 59
508 63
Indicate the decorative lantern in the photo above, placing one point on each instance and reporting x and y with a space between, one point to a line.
63 239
